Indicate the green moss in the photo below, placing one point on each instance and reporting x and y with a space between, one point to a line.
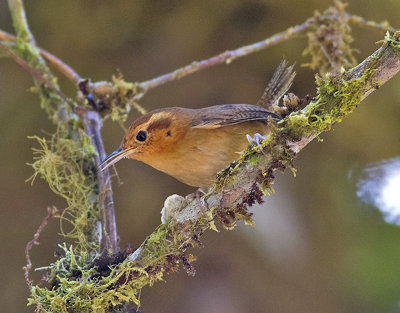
156 242
393 41
77 288
68 167
297 124
115 100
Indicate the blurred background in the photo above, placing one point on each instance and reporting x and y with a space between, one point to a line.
316 246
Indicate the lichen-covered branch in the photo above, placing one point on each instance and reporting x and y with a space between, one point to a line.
20 22
26 49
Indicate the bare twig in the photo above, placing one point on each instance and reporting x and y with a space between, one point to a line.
231 55
51 212
4 36
225 57
64 68
360 21
109 238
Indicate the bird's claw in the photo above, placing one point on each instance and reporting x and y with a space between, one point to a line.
256 140
199 194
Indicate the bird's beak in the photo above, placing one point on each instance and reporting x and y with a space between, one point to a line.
114 157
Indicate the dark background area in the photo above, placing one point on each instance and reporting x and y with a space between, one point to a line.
315 247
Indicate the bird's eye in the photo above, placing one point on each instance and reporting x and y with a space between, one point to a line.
141 135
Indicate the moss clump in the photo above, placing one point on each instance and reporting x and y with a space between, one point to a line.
337 97
112 100
329 40
67 164
78 284
78 287
393 41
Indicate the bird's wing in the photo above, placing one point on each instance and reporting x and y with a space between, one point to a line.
230 114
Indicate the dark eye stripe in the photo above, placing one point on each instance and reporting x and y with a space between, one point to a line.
141 135
159 124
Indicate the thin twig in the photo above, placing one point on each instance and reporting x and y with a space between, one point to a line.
360 21
64 68
231 55
51 212
225 57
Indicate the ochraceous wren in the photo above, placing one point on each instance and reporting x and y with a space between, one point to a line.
193 145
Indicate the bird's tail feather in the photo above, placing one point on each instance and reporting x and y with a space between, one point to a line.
278 85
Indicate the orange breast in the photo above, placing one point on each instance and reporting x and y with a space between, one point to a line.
202 153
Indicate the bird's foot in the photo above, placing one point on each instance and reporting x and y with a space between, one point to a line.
199 194
256 140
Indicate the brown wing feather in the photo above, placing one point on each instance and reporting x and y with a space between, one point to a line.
230 114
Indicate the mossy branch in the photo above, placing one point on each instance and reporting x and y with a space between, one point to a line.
337 97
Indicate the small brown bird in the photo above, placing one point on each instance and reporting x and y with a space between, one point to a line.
193 145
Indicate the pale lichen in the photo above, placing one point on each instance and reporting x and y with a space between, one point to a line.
329 41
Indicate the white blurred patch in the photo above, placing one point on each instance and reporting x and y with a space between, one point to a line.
279 230
381 188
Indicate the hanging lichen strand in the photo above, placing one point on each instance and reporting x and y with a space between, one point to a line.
67 166
329 40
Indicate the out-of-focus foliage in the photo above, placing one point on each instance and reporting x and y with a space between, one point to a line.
345 258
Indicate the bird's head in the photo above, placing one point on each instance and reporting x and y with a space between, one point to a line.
152 134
